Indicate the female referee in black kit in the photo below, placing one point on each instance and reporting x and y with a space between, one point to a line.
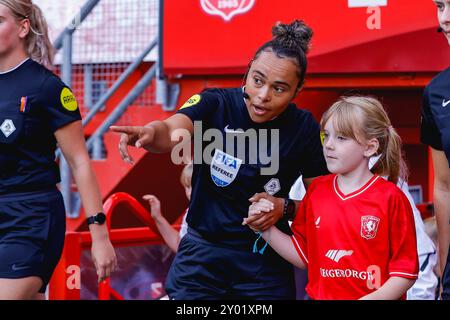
219 258
435 132
37 111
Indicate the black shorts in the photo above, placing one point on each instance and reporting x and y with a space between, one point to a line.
203 270
32 231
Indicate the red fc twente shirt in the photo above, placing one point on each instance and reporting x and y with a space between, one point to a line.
353 243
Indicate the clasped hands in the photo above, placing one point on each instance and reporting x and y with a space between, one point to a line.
264 211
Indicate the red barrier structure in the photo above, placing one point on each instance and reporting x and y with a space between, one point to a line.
66 280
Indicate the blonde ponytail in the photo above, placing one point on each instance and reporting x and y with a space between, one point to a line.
37 43
39 46
392 162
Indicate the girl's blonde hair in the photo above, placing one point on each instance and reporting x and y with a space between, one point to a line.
37 42
186 175
362 119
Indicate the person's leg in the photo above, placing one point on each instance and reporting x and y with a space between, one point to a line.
20 289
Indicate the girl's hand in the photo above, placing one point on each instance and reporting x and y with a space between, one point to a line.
104 258
259 207
155 205
264 212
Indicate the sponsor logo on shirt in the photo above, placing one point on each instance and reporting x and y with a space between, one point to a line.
195 99
7 127
228 130
369 227
18 268
273 186
346 273
224 168
372 275
68 100
337 255
445 103
317 223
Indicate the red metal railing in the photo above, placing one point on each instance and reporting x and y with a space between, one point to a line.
66 280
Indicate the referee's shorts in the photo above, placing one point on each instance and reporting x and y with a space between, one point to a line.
203 270
32 231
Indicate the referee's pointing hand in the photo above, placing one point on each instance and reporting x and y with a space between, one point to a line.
138 137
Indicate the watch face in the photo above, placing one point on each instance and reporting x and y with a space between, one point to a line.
100 218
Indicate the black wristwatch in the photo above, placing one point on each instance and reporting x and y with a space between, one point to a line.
98 218
289 208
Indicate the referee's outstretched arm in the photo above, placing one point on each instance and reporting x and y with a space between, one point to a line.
155 137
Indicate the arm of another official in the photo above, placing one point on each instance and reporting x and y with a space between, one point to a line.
442 203
71 141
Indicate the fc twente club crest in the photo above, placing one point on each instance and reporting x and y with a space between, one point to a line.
369 227
227 9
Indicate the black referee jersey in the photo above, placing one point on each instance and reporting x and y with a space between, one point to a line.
435 126
221 188
34 103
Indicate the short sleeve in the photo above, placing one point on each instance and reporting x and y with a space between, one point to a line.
312 162
403 260
429 132
299 229
59 103
201 106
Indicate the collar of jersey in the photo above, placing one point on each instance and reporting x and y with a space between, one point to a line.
16 67
356 192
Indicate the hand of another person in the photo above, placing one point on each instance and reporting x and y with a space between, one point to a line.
155 206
